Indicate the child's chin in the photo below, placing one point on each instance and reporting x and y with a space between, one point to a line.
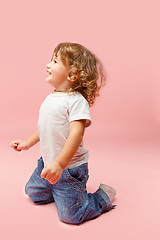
48 80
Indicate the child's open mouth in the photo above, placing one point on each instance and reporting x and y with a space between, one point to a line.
49 73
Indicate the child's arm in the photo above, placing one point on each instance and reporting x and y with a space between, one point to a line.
33 139
72 144
53 171
20 145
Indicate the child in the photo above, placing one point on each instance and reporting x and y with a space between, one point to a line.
62 170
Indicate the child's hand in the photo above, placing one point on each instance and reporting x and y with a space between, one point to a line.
19 145
52 172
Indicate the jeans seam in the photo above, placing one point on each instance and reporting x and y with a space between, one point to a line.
77 203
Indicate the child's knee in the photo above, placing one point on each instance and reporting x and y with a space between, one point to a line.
29 191
70 221
26 188
70 218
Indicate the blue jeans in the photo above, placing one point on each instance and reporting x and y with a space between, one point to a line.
74 205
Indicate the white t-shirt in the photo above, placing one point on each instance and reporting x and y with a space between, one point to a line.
56 112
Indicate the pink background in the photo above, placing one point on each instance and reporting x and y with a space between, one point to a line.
124 138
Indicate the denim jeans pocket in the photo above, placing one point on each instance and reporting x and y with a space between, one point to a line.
78 174
74 176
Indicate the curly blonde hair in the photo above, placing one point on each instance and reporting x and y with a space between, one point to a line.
83 69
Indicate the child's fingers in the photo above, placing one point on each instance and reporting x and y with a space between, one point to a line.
15 143
17 149
20 146
44 172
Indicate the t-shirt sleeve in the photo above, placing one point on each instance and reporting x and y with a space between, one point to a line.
80 110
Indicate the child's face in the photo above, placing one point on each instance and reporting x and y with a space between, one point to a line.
57 73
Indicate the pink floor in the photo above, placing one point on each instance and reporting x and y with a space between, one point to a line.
131 167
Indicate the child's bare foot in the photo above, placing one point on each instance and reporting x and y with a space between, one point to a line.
111 192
